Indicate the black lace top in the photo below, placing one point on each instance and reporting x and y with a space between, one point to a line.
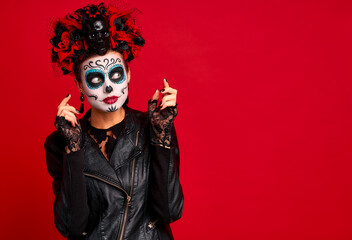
106 138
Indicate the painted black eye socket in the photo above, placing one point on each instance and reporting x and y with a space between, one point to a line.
95 79
117 75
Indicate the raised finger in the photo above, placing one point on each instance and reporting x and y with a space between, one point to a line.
65 100
156 95
165 83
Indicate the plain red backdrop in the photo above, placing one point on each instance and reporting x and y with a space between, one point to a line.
264 124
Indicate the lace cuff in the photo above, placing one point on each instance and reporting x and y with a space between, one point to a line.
161 122
72 135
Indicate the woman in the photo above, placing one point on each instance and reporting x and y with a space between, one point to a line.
115 171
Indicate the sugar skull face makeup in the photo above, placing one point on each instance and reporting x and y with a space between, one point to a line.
105 81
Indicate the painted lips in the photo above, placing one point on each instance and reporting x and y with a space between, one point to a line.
110 100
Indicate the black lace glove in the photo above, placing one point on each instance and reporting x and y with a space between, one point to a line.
161 122
72 135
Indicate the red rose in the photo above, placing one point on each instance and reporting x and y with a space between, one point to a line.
65 41
85 45
67 63
63 47
135 50
132 35
130 23
125 55
115 13
112 42
63 54
71 24
77 45
121 35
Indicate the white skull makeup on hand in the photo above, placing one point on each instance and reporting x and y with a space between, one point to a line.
105 81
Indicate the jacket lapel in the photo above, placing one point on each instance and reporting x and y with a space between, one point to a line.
94 161
124 150
96 164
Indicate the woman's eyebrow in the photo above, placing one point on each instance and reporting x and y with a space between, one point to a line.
102 64
112 63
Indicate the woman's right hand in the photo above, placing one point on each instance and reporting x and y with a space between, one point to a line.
68 126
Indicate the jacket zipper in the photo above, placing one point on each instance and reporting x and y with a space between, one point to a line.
128 196
129 199
103 180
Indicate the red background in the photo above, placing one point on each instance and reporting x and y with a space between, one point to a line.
264 124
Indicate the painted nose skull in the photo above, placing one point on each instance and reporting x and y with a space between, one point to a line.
108 89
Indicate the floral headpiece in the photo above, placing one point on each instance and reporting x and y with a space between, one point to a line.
94 29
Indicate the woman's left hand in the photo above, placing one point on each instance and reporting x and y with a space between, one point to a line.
169 96
162 117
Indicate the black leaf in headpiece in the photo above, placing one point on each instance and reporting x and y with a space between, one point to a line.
139 41
54 56
55 41
93 10
58 32
130 57
119 24
123 45
76 35
77 54
60 29
103 10
65 71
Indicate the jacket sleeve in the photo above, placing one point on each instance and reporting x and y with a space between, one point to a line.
166 196
70 207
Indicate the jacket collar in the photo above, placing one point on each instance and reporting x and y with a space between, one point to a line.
125 150
128 126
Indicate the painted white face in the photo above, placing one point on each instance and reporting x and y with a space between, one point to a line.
105 81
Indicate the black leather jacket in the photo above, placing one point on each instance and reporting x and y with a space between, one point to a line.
134 196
